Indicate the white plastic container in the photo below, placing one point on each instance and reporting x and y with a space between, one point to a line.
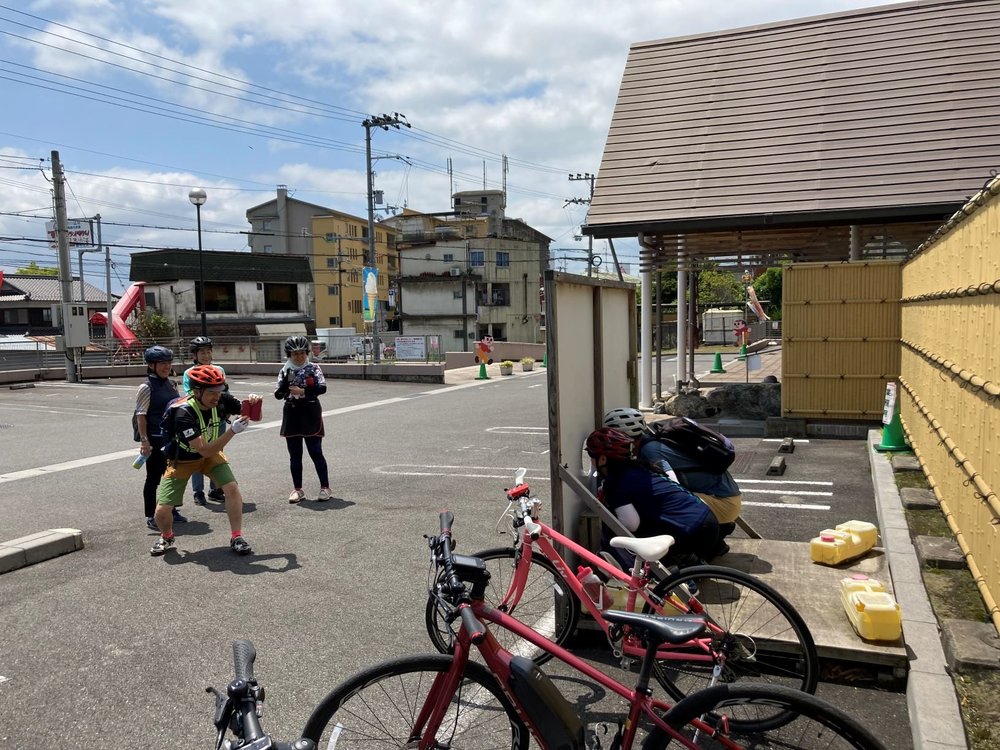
873 612
846 542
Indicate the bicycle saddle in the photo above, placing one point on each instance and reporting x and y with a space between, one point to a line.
659 628
648 548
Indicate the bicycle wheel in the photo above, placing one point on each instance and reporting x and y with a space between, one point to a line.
377 708
811 723
547 605
758 633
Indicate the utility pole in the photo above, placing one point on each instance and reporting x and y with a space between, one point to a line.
65 269
395 120
590 238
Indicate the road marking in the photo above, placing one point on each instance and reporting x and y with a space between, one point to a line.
422 470
519 430
66 466
741 480
798 441
794 506
790 491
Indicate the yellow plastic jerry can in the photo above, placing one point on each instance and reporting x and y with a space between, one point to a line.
849 540
873 612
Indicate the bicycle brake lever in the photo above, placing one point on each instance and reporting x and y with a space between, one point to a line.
223 714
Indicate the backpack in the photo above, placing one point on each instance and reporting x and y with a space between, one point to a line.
712 450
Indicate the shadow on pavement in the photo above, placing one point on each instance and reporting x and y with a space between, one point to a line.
221 560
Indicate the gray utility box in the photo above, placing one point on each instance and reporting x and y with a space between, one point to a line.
717 325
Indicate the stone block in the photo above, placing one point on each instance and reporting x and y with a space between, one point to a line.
905 463
916 498
777 467
11 558
939 552
970 646
47 544
787 445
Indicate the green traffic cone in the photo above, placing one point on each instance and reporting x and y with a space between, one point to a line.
743 353
545 358
892 435
717 365
482 372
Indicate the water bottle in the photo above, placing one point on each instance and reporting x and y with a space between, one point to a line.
595 589
139 461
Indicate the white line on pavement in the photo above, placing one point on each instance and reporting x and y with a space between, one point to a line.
795 506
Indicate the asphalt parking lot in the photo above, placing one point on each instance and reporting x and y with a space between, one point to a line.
108 647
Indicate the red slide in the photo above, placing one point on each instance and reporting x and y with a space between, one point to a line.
119 314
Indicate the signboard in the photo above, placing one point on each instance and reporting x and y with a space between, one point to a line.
77 232
412 348
392 297
890 403
370 301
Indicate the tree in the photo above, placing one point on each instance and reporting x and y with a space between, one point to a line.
768 288
151 326
33 269
719 288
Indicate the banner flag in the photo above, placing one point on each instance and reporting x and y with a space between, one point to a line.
755 304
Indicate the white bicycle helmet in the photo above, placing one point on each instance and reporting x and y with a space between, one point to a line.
629 421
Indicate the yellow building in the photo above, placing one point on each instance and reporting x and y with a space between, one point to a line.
339 246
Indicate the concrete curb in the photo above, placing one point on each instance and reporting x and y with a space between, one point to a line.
35 548
935 719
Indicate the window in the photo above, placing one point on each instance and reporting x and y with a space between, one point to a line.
220 296
457 294
266 224
477 258
449 257
281 297
458 333
332 262
503 259
268 249
335 322
333 291
501 295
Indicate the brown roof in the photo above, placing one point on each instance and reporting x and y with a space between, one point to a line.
883 117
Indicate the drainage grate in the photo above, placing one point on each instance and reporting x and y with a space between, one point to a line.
741 465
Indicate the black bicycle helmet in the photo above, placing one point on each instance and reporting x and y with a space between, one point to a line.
629 421
296 344
199 342
158 353
206 376
607 441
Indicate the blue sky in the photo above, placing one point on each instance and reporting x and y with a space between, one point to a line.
146 99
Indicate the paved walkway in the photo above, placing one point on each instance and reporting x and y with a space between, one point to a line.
757 366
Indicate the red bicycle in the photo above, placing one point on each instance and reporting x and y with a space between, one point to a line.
448 701
752 632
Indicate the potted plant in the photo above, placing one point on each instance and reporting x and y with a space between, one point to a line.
506 367
527 363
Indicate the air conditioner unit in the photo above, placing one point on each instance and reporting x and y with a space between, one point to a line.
456 271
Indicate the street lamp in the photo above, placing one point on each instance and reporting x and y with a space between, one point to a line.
198 197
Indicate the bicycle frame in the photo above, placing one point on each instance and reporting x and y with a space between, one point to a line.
696 650
498 660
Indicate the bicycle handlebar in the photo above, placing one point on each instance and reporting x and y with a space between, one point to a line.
456 590
240 709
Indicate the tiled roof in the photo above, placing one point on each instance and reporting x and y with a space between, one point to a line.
47 289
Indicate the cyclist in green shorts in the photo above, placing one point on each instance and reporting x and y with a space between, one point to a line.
198 434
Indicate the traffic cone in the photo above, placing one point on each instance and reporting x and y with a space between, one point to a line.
482 372
743 353
717 365
545 358
892 435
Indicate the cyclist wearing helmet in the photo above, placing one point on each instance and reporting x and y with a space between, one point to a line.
720 492
198 436
647 503
300 384
201 352
151 400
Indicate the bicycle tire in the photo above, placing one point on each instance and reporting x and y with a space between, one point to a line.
764 638
811 722
376 708
547 600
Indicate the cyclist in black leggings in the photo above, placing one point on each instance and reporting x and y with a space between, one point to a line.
300 384
150 402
